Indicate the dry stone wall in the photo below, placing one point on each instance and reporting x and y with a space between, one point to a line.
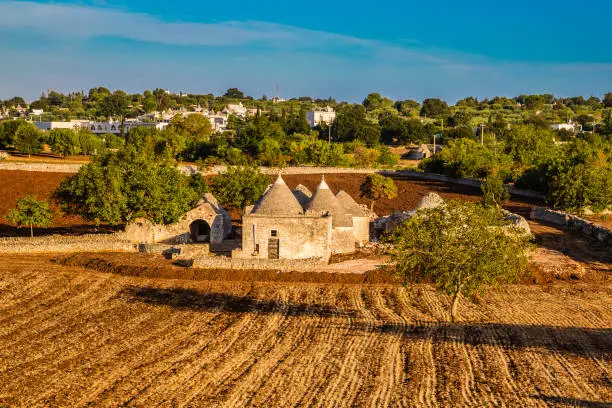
59 243
282 265
572 222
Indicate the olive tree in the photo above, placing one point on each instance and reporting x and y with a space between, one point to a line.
463 248
239 186
30 212
377 186
28 139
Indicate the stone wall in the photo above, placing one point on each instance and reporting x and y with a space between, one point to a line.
470 182
143 231
60 243
44 167
343 240
361 229
299 237
282 265
572 222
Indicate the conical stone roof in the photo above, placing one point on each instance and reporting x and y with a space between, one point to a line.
303 194
278 200
325 201
350 205
431 200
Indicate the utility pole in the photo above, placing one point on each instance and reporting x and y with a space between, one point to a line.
434 137
482 126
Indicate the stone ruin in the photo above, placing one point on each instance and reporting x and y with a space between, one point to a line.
432 200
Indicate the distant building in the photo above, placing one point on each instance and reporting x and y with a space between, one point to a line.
73 124
218 121
37 112
317 117
419 153
570 127
238 110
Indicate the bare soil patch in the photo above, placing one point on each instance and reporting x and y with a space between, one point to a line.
76 337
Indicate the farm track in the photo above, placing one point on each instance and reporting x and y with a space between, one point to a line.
76 337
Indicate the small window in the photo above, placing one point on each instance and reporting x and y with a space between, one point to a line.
274 233
257 248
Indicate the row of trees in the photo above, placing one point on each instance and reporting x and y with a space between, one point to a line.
574 175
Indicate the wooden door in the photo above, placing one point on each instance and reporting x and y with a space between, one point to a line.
273 248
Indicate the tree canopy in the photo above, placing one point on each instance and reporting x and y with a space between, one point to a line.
30 212
377 186
118 187
463 248
239 186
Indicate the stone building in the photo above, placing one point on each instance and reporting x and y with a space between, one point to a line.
287 224
207 222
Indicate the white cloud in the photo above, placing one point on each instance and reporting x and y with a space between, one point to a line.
306 61
78 22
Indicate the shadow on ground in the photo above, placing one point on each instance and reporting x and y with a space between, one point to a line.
226 303
7 230
592 342
570 402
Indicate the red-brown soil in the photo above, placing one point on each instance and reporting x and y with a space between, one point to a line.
18 184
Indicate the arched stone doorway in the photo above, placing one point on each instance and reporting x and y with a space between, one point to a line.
200 231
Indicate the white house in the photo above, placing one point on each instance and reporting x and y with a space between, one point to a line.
73 124
238 110
571 127
317 117
218 121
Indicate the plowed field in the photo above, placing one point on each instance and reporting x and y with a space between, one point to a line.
75 337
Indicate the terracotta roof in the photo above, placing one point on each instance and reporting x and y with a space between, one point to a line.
350 205
302 193
325 201
278 200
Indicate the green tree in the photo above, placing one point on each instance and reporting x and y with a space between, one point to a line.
348 119
607 100
494 192
365 157
434 107
234 93
89 142
239 186
118 187
375 101
28 139
8 128
408 107
463 248
30 212
387 157
64 142
149 104
577 183
116 105
368 134
377 186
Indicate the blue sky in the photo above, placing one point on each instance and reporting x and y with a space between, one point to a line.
346 49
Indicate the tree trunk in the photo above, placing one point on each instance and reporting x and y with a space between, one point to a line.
372 206
31 231
453 310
